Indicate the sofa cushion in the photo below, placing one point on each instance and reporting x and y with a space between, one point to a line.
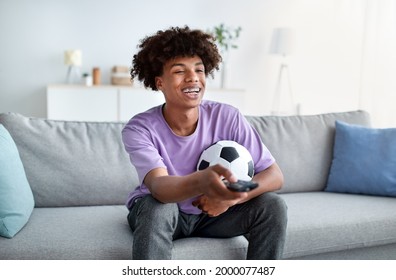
324 222
81 233
16 198
70 163
364 160
303 146
100 232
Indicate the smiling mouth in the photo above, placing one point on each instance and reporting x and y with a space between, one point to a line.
193 91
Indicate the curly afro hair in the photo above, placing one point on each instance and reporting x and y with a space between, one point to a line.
174 42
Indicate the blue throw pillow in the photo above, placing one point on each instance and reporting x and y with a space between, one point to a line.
16 198
364 161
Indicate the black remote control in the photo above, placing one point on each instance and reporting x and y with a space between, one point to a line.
241 186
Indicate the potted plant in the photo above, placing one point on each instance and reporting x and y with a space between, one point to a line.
226 38
87 79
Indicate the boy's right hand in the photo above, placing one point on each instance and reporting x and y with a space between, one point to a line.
216 198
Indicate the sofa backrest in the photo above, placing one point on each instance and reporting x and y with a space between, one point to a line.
303 145
72 163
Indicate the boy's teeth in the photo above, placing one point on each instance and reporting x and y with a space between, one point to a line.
189 90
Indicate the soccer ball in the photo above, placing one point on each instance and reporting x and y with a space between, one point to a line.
231 155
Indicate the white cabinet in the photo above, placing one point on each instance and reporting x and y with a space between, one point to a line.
98 103
134 101
82 103
115 103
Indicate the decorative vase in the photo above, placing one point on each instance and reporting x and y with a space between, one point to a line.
96 76
87 80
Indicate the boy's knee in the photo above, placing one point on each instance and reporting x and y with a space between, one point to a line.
273 204
278 203
154 209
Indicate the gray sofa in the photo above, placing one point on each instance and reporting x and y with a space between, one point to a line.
80 176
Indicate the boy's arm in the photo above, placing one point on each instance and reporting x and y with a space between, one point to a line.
208 182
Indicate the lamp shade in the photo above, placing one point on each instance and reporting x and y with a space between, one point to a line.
73 57
282 41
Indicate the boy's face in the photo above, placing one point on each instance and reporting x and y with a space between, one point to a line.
183 81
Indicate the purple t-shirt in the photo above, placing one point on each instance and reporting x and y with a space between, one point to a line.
151 143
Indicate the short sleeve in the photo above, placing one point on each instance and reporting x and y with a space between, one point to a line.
142 152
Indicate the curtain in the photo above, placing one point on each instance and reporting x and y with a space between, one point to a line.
377 88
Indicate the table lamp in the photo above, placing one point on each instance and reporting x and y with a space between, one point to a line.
72 59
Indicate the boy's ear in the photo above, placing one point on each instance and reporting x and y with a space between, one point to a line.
158 83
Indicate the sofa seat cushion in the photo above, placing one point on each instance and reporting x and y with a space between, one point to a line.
100 232
92 232
322 222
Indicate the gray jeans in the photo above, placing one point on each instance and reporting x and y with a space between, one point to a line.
262 219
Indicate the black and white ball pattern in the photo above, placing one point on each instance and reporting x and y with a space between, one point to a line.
231 155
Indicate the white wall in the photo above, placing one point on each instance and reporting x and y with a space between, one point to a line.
34 35
324 68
